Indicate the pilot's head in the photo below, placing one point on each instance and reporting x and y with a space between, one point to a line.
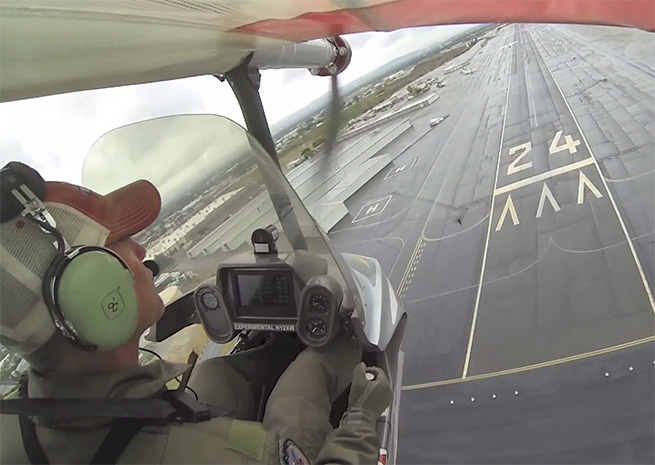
72 281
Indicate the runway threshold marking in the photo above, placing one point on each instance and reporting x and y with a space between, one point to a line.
584 183
486 243
559 361
609 195
543 176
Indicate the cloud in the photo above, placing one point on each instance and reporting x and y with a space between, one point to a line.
159 151
57 131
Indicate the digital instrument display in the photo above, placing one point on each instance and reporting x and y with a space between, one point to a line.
268 294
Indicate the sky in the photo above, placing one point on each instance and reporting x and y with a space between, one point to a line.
53 134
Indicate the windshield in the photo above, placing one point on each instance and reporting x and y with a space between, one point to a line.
217 186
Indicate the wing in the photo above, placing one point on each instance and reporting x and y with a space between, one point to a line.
57 46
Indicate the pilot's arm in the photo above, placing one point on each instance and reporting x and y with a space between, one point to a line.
299 409
356 440
299 406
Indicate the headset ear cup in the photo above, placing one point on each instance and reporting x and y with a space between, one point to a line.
49 293
95 292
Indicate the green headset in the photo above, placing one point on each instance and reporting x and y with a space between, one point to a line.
91 296
88 290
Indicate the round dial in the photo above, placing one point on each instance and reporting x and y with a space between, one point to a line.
316 327
209 300
318 303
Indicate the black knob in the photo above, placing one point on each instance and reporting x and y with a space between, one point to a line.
152 266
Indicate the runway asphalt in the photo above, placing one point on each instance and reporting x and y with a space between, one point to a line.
520 234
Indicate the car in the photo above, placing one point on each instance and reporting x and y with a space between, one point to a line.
296 162
435 121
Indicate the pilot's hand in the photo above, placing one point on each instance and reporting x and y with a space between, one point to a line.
373 395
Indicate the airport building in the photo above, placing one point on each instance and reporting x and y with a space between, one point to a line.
176 237
323 188
412 105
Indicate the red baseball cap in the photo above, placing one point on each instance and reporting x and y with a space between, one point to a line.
124 212
25 322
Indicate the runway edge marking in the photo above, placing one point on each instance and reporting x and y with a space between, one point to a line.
647 288
511 371
491 214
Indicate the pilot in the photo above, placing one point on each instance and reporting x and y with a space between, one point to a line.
84 343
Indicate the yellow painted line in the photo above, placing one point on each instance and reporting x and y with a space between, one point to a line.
411 260
411 268
488 238
609 194
543 176
414 265
511 371
403 281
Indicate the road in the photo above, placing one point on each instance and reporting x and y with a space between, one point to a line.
519 234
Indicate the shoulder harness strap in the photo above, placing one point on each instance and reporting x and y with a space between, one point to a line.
131 414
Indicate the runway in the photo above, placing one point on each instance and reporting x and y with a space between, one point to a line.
519 234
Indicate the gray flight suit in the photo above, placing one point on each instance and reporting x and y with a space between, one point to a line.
298 409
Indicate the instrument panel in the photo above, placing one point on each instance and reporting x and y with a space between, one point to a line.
262 293
270 295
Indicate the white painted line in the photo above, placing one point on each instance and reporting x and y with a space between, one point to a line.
531 91
584 181
373 208
535 366
541 176
547 194
509 207
611 197
531 95
636 176
534 110
486 243
437 239
401 169
402 247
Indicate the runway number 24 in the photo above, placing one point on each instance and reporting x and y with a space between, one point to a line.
555 147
